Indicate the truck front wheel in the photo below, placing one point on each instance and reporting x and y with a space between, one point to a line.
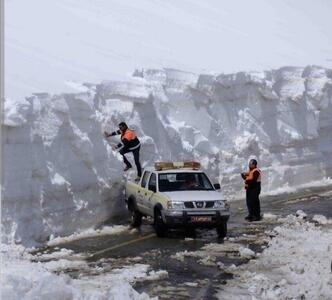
159 225
222 229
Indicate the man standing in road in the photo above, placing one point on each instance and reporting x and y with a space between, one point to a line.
252 180
130 143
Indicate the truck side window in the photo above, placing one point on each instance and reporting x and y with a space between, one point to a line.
153 183
145 179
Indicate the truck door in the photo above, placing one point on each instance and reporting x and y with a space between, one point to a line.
141 191
149 192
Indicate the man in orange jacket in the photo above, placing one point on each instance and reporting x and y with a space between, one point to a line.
130 143
252 183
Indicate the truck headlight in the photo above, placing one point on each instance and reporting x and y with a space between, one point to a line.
220 204
175 205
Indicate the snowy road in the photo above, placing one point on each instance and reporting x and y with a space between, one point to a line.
190 267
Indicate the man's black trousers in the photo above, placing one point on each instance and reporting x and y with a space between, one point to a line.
252 198
136 159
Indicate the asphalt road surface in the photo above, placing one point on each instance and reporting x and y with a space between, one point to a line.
194 276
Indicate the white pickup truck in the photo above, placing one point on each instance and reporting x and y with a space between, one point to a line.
177 195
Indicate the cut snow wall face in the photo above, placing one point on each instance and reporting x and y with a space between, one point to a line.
62 176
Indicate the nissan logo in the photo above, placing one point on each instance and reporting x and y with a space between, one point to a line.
200 204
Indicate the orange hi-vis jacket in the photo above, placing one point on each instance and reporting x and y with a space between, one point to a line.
128 134
128 139
252 180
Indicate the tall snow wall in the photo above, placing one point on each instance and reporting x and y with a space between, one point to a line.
61 175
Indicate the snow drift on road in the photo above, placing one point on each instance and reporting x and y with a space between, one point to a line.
22 279
296 265
62 176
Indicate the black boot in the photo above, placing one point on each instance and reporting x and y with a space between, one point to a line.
248 217
126 168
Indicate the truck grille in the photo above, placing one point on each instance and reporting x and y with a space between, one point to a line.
209 204
199 204
189 205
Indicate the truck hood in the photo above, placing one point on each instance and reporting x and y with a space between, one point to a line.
194 195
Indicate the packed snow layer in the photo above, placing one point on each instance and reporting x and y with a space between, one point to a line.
62 176
104 231
22 279
296 265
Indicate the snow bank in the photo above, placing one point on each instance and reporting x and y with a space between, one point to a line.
296 265
104 231
22 279
62 176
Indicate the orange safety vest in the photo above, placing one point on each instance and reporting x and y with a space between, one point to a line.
128 134
130 140
250 176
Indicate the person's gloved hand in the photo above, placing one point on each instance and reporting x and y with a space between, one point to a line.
106 134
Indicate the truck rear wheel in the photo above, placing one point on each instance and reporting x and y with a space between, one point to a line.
159 225
222 229
136 216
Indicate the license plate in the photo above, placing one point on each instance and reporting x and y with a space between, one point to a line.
200 219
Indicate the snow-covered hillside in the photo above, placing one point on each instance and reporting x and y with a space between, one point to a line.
62 176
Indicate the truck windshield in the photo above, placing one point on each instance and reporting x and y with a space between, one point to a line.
171 182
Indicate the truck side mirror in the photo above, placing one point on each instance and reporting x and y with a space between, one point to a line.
216 186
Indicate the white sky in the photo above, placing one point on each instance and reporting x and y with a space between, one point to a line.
50 42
